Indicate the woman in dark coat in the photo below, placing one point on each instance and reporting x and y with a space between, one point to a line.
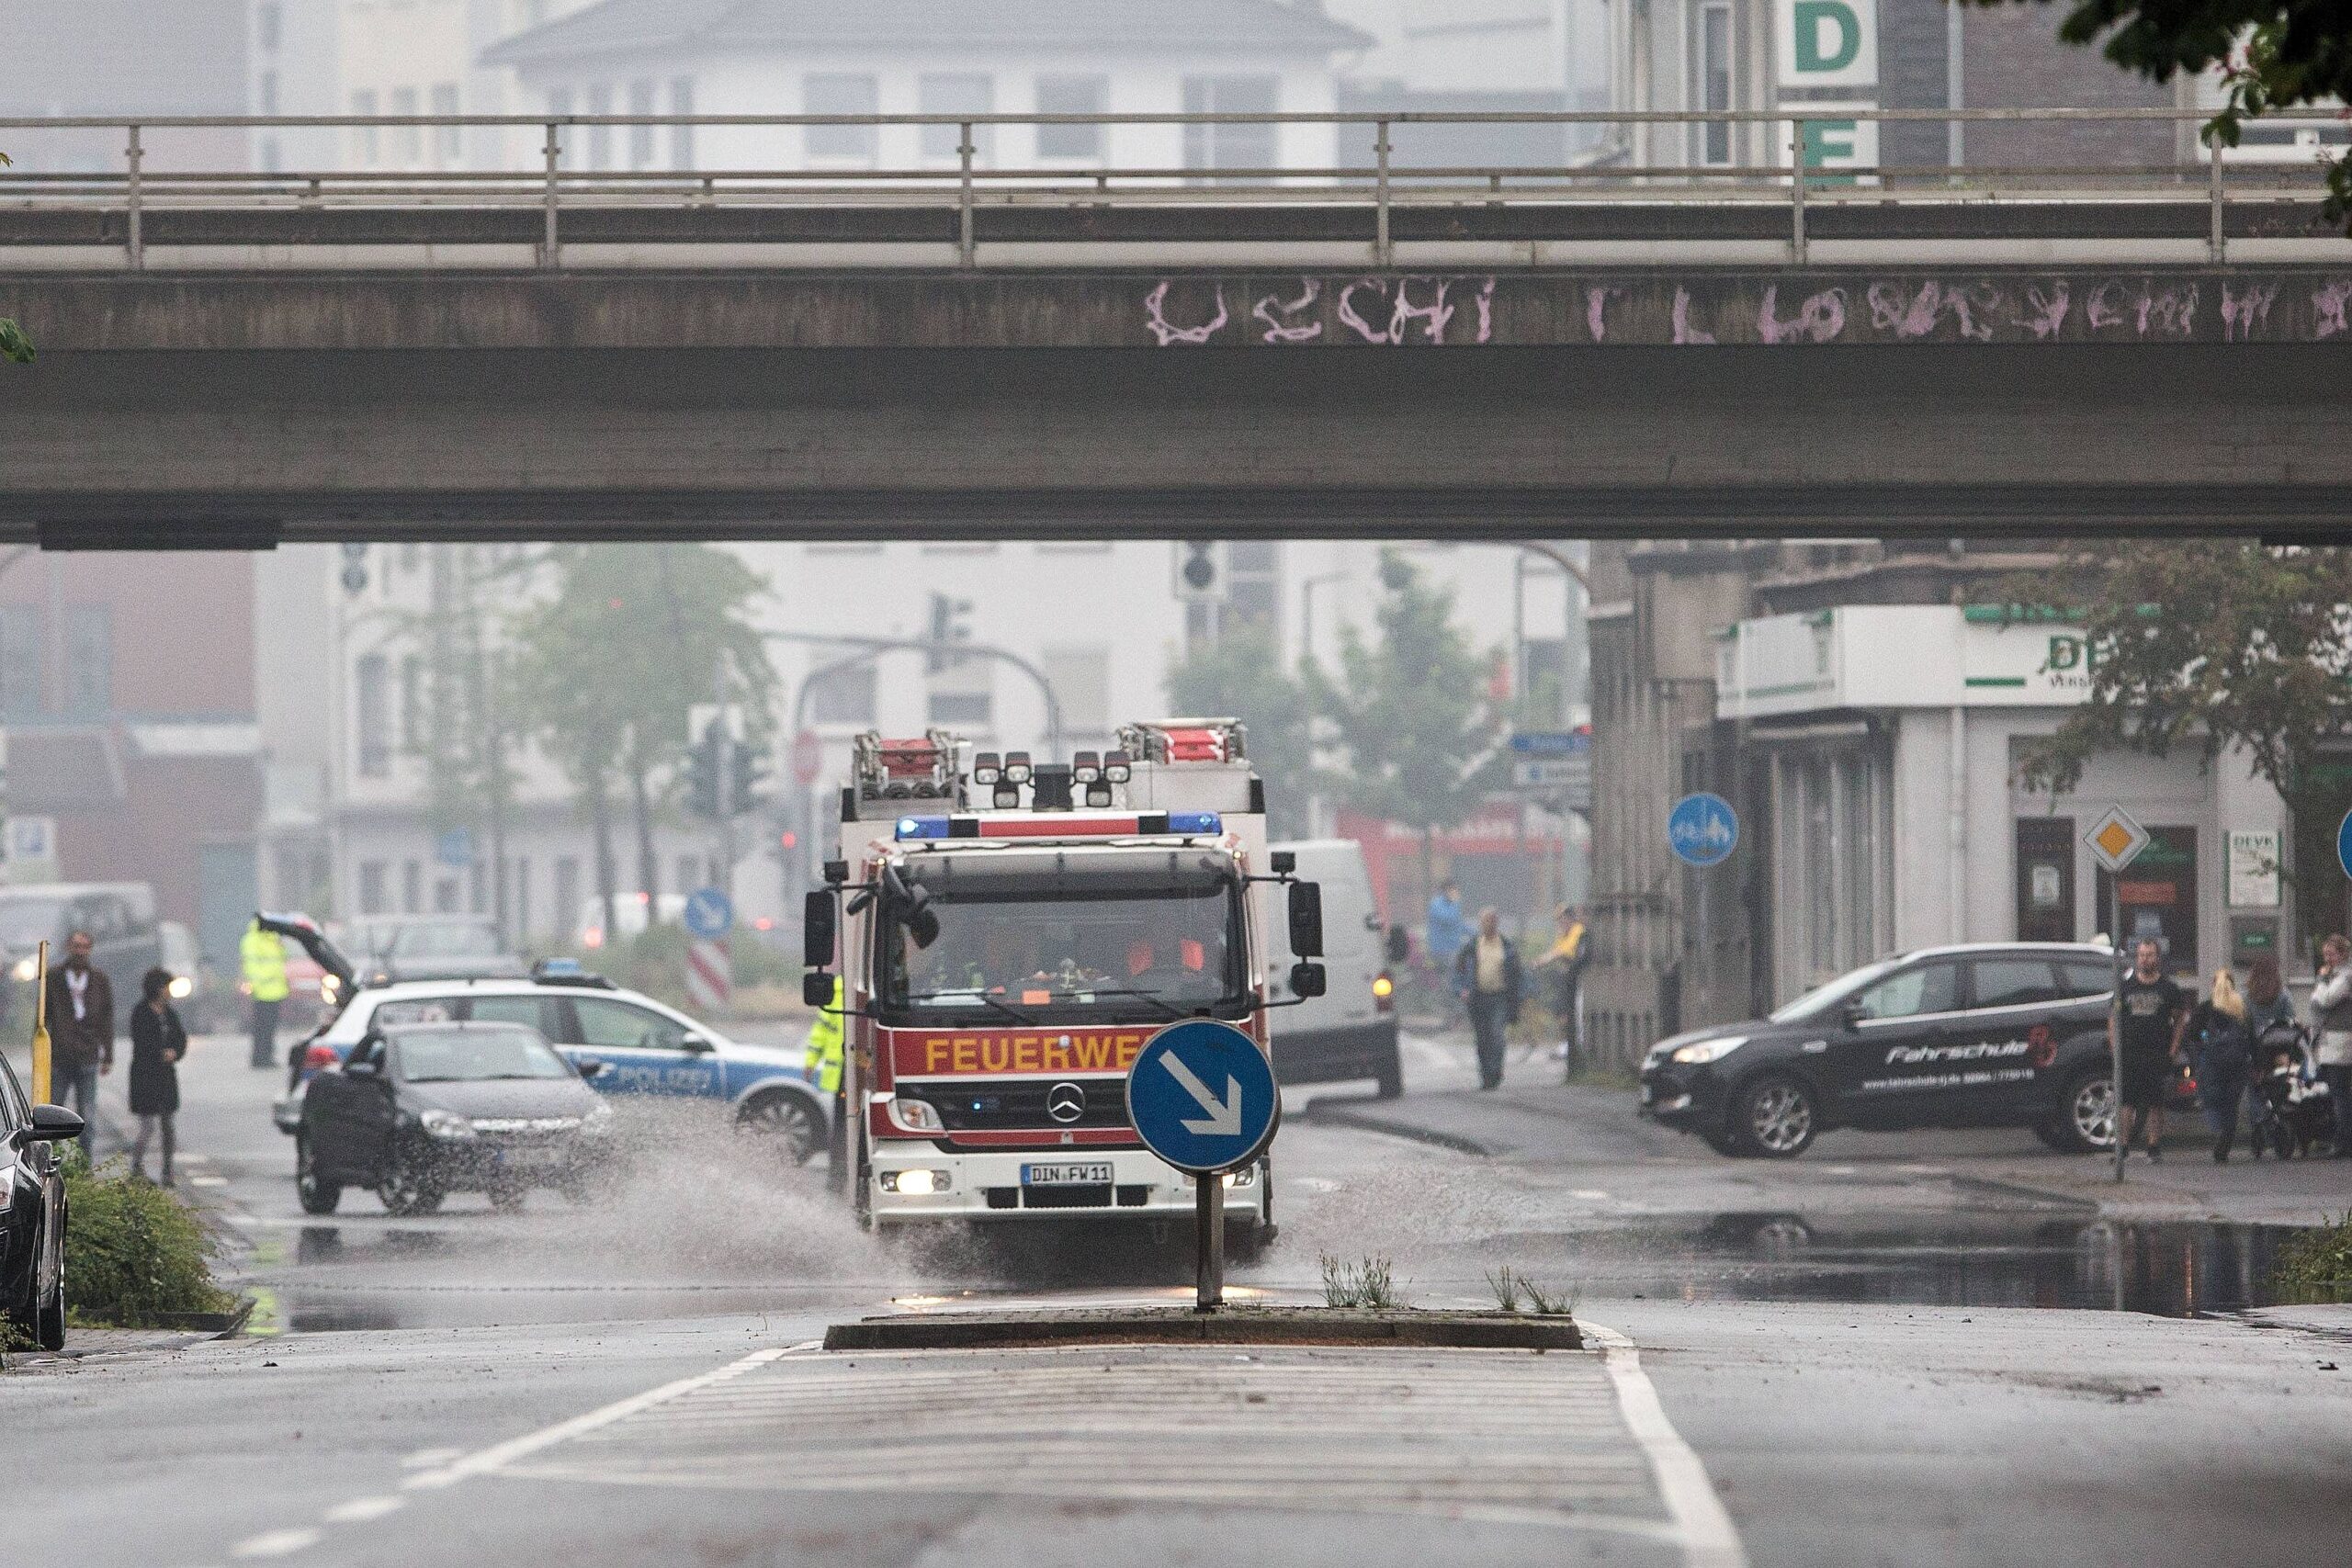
157 1043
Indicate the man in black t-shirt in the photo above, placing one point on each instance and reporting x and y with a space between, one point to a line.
2155 1015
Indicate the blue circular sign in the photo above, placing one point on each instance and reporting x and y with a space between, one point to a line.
709 913
2344 843
1702 830
1202 1095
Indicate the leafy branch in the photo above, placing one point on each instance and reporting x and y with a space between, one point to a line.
14 345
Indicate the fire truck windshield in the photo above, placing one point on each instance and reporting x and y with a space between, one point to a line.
1087 949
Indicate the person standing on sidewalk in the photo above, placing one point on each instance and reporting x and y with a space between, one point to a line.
80 1031
1487 978
2224 1051
2156 1016
2267 1006
1567 958
2331 1022
158 1041
263 957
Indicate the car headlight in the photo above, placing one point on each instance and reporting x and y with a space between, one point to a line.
445 1124
1709 1050
182 988
27 968
329 986
921 1183
917 1115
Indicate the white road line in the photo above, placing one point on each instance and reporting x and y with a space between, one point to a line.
425 1458
276 1543
1709 1539
361 1510
483 1461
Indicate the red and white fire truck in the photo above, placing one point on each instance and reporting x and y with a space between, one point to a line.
1009 934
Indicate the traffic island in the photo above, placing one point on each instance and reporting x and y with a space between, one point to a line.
1227 1326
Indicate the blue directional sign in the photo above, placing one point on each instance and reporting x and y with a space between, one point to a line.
1702 830
1202 1095
2344 843
1553 742
709 913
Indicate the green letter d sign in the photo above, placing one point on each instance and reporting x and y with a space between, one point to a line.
1828 36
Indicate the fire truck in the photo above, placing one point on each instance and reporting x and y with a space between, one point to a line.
1009 934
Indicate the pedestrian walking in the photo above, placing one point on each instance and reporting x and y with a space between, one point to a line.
1566 961
1445 932
80 1031
263 958
1487 978
2331 1022
2156 1016
158 1041
2224 1045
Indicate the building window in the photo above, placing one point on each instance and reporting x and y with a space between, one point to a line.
372 887
567 895
1253 595
843 695
372 685
1229 146
957 94
1071 94
89 659
682 137
477 889
412 887
268 24
600 137
521 892
366 145
689 873
445 895
411 704
449 141
266 92
640 137
1713 62
828 94
1080 678
20 663
407 141
971 710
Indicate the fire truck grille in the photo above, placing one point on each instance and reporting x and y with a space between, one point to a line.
1024 1105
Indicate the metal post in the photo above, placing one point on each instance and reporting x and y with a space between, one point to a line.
965 248
2217 241
134 238
1796 189
1209 1232
2115 1010
550 252
1384 248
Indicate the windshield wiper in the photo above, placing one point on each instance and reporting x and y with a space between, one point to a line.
1170 1008
982 998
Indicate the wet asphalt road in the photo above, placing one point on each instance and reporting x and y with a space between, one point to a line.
1880 1355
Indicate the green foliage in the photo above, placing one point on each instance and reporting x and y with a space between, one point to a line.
2207 644
2318 1260
133 1252
14 345
1511 1288
1242 676
1367 1284
2275 56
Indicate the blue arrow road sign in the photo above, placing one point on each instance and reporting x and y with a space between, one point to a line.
1702 830
709 913
1202 1095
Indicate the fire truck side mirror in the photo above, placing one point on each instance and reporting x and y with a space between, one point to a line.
1306 919
816 988
1400 945
1306 980
817 929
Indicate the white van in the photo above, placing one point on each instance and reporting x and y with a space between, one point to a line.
1350 1031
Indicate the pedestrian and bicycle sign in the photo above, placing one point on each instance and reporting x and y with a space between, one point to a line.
1702 830
1202 1095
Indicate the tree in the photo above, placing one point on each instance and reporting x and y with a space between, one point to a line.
2274 55
14 345
2212 645
1412 712
1242 676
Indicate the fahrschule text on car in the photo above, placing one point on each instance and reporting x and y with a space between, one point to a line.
1981 1035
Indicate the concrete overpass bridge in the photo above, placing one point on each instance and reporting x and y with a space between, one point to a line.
231 358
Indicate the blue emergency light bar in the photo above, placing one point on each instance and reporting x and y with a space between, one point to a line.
1058 825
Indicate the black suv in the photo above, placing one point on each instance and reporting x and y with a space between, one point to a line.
1996 1034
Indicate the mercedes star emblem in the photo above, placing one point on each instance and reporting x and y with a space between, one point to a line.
1065 1103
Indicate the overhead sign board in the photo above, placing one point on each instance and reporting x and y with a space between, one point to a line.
1202 1095
1702 830
2116 839
1553 743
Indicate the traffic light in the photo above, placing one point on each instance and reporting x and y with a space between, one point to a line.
747 771
703 765
949 625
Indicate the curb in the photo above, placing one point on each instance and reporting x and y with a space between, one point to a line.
2046 1196
1341 1116
1233 1325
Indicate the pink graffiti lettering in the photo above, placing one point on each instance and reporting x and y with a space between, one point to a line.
1596 303
1917 315
2172 310
1822 318
2048 309
1684 333
2328 304
1349 318
2099 310
1435 316
2241 313
1310 291
1155 306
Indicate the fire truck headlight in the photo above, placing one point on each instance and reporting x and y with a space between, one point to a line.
1116 767
1016 767
917 1115
918 1183
1098 795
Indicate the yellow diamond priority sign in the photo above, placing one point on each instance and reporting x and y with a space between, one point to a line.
2116 839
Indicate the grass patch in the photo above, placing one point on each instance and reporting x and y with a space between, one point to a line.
1367 1284
2318 1261
1515 1291
133 1252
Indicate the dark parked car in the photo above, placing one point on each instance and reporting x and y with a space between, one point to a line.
1996 1034
125 941
32 1212
387 949
420 1110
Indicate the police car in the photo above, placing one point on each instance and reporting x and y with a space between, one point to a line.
1986 1035
649 1052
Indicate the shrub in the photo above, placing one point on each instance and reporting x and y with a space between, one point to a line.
133 1252
2318 1260
1367 1284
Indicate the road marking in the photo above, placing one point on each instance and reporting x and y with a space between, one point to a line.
208 1181
424 1458
277 1543
1588 1194
1709 1538
482 1461
360 1510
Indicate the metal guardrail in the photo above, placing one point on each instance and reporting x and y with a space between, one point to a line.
968 184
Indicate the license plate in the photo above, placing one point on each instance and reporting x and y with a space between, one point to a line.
1066 1175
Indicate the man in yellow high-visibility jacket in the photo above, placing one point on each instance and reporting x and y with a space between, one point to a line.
262 956
824 1068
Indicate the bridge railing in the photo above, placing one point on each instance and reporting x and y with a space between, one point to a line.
88 183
